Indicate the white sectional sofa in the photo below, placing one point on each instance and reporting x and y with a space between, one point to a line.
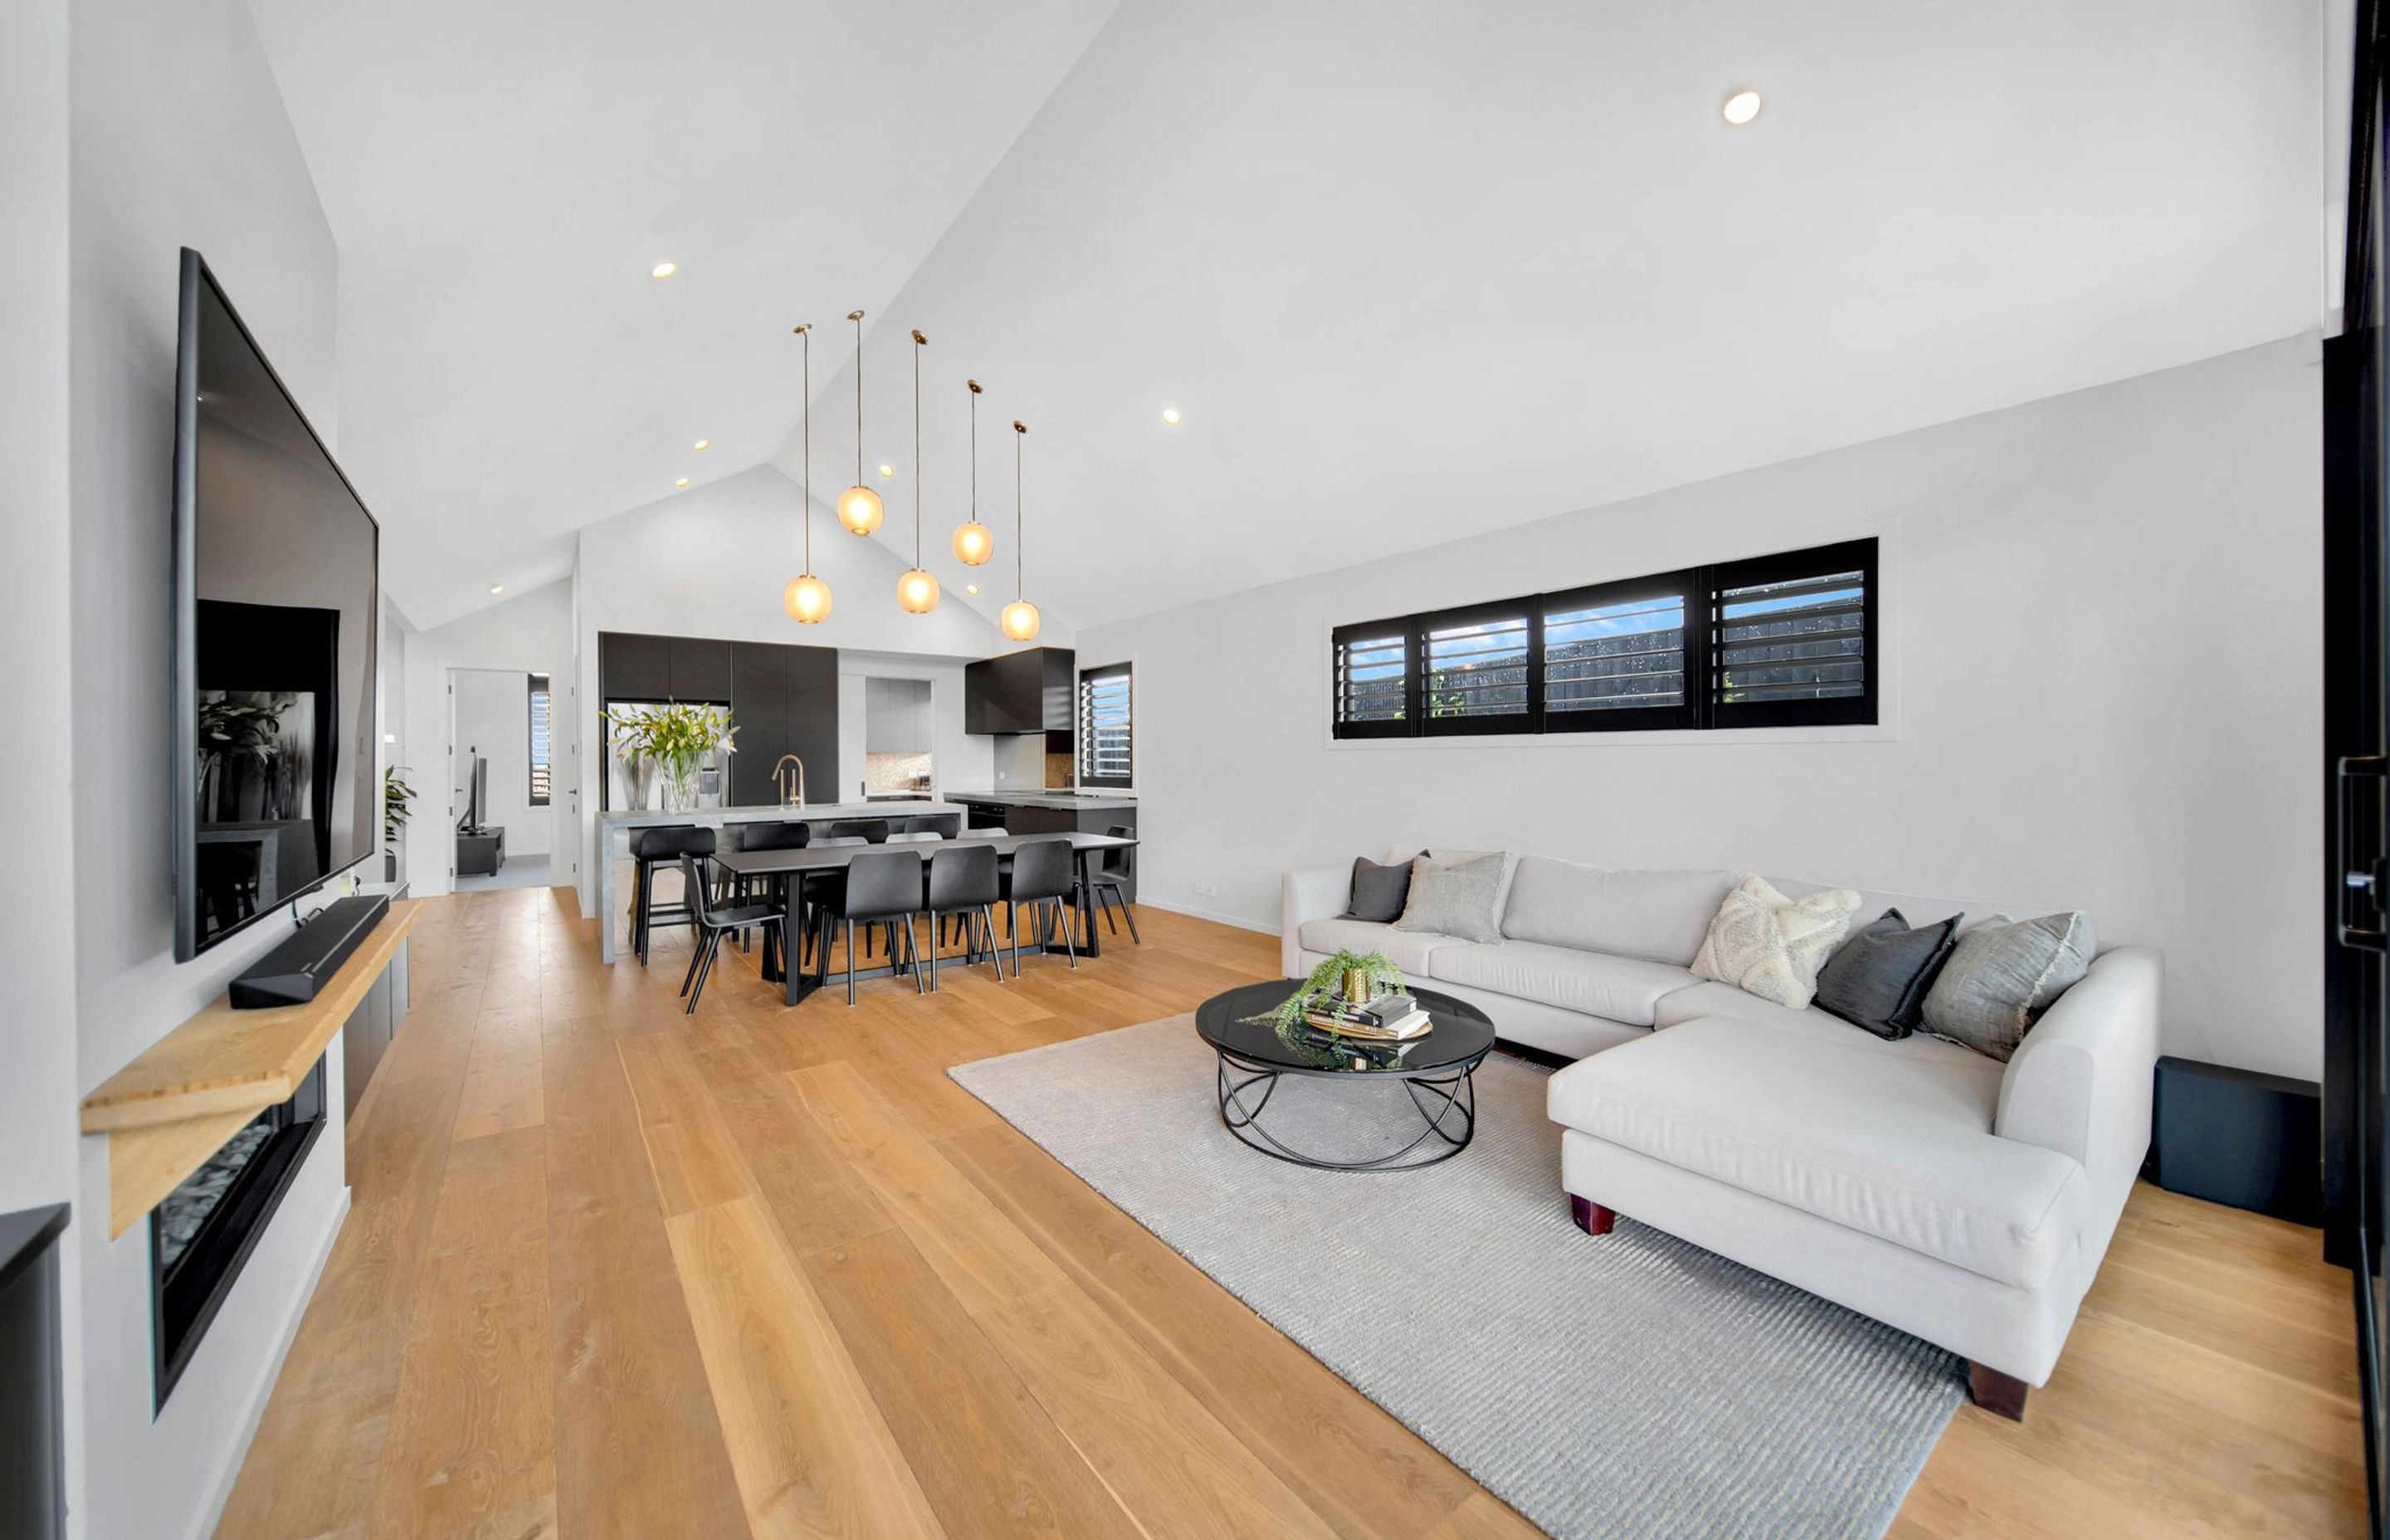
1959 1199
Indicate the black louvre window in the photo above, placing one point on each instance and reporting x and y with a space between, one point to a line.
1777 641
1616 657
1792 638
1107 726
1477 669
1373 680
539 713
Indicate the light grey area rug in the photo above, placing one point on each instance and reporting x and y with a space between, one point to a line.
1623 1386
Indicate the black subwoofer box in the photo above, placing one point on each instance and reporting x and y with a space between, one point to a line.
2236 1137
290 974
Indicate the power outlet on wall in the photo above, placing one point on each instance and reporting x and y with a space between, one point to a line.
1207 889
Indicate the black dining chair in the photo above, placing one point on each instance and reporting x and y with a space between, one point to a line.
940 824
871 830
651 849
742 889
964 886
812 887
713 923
1040 876
1115 870
882 887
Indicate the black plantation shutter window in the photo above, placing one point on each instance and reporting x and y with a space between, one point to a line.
539 714
1477 670
1619 656
1373 679
1107 726
1792 638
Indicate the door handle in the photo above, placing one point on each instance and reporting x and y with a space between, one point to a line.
2359 875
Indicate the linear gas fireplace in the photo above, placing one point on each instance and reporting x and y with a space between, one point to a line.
201 1235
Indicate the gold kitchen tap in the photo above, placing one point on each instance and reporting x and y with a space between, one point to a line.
786 784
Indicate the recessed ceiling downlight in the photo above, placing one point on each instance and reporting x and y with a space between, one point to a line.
702 444
497 588
887 470
1740 107
682 482
663 270
1170 415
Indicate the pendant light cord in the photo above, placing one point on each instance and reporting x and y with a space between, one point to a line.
806 332
858 318
919 342
1019 432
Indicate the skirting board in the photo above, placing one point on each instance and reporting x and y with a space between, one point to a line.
230 1477
1193 913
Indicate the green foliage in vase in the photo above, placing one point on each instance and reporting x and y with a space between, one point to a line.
246 730
676 736
395 795
1327 982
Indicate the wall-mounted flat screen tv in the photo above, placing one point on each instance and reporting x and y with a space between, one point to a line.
276 611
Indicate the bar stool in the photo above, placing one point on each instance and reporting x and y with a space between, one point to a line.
882 887
1115 870
661 845
994 831
914 836
935 823
964 885
871 830
713 924
1040 876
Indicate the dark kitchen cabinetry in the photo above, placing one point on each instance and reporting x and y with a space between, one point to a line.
636 667
785 701
1027 691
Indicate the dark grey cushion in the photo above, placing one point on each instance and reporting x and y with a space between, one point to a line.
1379 892
1878 979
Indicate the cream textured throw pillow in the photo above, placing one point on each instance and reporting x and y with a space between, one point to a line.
1771 945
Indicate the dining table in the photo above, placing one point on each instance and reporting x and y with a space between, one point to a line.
783 958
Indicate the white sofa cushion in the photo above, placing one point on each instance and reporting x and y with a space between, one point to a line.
1623 989
1898 1146
1773 945
1657 916
1407 950
1716 999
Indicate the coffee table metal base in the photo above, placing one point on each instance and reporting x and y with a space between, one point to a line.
1446 1103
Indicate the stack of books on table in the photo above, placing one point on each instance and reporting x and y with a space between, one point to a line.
1391 1017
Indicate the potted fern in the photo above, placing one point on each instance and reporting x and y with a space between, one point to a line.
1348 975
395 795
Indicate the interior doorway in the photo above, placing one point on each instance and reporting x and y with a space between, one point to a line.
506 784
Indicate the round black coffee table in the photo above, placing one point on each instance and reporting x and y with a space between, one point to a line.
1434 1068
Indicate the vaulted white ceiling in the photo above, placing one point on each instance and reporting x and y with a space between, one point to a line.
1406 272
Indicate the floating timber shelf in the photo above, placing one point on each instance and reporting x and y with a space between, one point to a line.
178 1102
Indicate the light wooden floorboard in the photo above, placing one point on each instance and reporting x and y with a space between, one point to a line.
616 1271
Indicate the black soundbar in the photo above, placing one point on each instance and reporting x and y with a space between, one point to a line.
290 974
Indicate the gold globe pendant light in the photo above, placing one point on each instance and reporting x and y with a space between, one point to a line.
1019 621
917 590
973 543
806 599
859 505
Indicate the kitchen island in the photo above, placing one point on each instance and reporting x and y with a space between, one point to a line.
614 838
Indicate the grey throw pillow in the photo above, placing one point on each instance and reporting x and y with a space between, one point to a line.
1377 891
1463 898
1878 979
2003 974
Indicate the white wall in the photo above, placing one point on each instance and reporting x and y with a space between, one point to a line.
39 1091
2104 625
711 562
493 713
528 633
178 138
